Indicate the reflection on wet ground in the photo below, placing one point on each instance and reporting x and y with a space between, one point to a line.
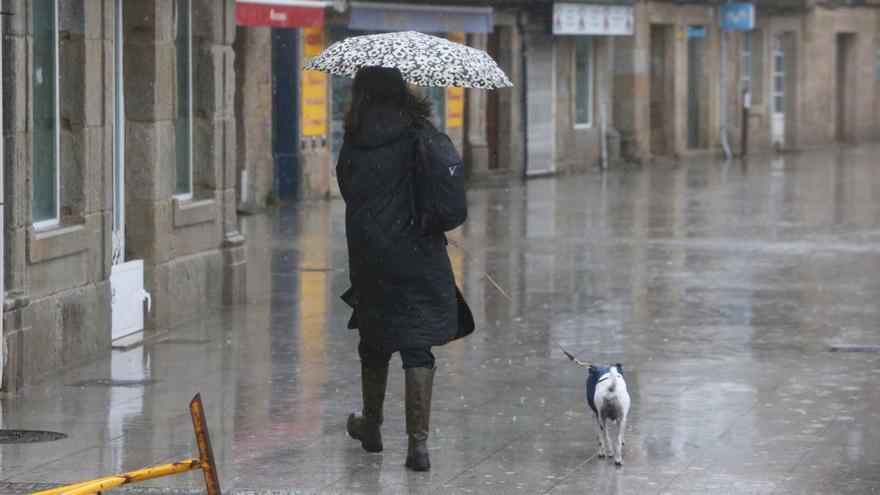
719 287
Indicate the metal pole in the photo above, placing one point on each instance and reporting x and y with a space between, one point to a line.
104 484
205 462
746 104
206 452
606 99
723 94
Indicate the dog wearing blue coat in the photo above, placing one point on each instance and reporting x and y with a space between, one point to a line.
609 400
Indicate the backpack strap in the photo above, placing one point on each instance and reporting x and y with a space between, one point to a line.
417 163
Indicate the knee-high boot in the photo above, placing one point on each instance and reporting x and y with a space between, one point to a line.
419 384
366 426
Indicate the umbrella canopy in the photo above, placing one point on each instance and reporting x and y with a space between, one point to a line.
422 59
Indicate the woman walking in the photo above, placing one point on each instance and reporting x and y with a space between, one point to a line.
403 291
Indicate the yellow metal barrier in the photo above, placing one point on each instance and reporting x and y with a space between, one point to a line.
205 462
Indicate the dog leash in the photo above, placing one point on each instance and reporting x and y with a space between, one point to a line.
473 261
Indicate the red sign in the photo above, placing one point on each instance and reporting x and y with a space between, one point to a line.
279 16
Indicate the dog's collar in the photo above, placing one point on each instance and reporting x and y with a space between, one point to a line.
604 378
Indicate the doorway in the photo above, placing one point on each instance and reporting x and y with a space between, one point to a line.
285 111
697 90
661 89
127 293
540 105
502 150
118 232
845 99
493 105
777 119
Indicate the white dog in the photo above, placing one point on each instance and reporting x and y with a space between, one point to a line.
609 400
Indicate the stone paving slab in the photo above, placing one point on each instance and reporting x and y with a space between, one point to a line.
723 289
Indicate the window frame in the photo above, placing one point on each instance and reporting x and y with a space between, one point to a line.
118 229
56 129
777 75
591 84
188 195
745 63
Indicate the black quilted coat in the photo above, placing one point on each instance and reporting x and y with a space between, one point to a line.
403 291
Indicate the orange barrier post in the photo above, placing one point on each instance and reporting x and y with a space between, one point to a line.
205 462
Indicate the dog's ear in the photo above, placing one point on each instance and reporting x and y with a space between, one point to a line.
592 368
619 367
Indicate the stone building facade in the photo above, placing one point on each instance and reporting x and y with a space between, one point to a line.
492 126
826 57
811 68
119 146
665 84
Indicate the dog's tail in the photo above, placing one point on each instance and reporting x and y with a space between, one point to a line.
613 386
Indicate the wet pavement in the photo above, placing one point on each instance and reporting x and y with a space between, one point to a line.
721 288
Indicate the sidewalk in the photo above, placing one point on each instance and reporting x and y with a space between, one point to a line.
720 289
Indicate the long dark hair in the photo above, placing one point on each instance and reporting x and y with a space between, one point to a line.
374 85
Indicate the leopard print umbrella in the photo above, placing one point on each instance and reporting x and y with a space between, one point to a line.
422 59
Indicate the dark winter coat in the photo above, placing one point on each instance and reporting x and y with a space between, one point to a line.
403 291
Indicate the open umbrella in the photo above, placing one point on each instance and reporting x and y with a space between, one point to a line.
422 59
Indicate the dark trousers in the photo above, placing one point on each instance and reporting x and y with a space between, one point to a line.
412 358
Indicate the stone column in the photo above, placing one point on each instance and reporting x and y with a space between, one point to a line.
214 129
631 88
192 249
253 116
16 165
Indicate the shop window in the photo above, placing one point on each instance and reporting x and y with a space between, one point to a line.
46 133
778 75
583 82
745 63
437 97
751 64
183 120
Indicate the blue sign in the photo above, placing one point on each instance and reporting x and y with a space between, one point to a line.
697 32
738 16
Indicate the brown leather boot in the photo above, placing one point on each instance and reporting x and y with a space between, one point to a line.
365 427
419 383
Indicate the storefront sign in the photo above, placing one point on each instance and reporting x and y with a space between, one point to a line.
587 19
383 16
738 16
313 41
454 108
455 96
697 32
280 13
314 103
456 37
314 88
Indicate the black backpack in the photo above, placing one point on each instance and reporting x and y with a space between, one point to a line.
438 198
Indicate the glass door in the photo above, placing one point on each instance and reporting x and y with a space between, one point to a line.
777 119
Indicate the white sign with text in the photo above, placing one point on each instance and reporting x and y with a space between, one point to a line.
588 19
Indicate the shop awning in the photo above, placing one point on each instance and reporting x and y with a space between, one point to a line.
280 13
374 16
